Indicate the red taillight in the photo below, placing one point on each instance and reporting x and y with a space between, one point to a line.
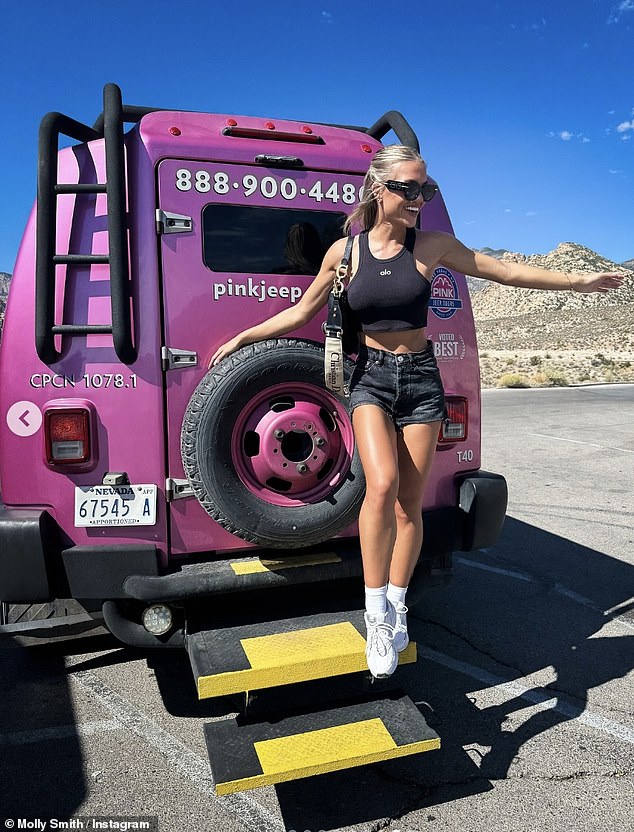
67 433
455 428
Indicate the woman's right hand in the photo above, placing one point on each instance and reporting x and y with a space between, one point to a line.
224 350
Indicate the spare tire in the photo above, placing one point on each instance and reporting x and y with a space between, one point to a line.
269 451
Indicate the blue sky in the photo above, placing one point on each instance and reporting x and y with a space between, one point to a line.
524 110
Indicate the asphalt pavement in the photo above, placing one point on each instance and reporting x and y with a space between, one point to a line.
526 674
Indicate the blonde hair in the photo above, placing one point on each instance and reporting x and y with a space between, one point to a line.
378 172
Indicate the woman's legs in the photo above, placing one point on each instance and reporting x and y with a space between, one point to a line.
376 441
416 447
396 468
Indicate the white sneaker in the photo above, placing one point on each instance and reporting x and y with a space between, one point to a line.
396 617
381 656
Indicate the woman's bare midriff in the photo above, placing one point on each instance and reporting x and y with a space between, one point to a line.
408 340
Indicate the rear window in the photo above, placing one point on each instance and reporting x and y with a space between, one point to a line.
251 239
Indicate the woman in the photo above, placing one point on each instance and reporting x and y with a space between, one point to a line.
396 394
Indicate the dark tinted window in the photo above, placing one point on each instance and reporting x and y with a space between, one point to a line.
258 240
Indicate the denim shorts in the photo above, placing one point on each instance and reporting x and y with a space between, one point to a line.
407 386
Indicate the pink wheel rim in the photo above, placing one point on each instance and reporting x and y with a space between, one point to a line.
292 444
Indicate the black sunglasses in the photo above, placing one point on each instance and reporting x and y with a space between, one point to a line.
411 190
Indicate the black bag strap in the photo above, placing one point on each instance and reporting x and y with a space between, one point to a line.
342 272
333 325
345 260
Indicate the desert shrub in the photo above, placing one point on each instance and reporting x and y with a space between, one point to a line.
556 377
540 379
549 377
600 360
535 361
512 380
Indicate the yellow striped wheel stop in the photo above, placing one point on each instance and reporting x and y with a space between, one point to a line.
249 756
275 653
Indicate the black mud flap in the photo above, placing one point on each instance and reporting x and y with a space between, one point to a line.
483 498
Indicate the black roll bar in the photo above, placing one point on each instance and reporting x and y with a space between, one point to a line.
393 120
117 226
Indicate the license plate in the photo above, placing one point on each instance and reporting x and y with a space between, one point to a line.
115 505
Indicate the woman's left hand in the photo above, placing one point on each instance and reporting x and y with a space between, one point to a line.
602 282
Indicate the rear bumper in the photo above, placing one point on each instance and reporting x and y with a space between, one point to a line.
36 566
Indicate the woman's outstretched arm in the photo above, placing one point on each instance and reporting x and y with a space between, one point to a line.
457 256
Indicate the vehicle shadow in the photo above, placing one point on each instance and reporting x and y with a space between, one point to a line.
41 770
484 630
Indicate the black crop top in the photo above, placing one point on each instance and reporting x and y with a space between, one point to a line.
389 295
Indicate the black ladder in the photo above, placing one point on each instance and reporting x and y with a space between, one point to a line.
110 128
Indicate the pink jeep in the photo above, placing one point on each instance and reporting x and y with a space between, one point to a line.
147 489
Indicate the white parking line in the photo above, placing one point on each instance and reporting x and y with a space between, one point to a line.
535 697
560 589
476 564
586 602
253 816
579 442
579 599
60 732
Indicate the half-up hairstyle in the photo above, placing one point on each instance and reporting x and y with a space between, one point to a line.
378 173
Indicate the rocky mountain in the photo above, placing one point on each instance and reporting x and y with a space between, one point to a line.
500 252
493 252
4 291
4 288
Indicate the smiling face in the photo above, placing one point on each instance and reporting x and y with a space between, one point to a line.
395 206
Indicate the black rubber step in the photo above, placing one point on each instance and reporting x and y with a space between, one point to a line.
244 756
275 653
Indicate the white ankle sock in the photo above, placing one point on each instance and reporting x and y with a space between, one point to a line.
375 603
396 594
